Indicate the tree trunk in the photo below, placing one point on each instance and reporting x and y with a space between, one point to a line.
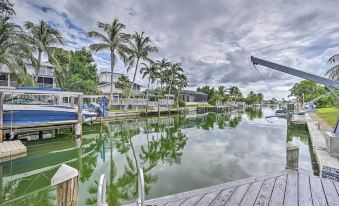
112 74
169 91
149 80
132 84
37 70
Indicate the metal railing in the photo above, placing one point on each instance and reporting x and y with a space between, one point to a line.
101 196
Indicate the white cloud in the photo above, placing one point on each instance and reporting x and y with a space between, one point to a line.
213 39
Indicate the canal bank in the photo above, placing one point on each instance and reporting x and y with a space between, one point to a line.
328 165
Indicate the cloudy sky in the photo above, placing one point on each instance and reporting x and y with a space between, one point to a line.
212 39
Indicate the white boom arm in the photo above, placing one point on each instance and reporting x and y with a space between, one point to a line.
321 80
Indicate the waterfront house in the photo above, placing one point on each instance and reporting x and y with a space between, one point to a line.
194 96
105 85
45 78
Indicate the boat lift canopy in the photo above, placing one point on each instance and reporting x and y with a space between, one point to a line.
40 92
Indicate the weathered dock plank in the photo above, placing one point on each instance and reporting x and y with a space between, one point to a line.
288 188
278 192
10 149
305 196
252 193
223 197
238 195
291 193
318 195
264 195
208 198
330 192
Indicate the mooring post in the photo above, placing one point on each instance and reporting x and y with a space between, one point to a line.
2 96
66 180
78 127
101 195
292 156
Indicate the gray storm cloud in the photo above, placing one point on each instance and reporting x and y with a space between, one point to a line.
213 39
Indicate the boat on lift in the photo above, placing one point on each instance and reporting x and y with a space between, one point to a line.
281 112
22 111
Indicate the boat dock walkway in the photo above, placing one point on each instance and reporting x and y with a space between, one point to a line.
285 188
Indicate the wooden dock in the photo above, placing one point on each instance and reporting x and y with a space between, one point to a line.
11 150
284 188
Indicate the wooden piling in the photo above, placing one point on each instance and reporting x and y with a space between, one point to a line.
2 96
292 156
80 121
66 180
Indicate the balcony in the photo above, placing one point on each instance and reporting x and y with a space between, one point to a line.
4 83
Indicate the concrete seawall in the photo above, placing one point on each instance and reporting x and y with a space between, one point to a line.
329 166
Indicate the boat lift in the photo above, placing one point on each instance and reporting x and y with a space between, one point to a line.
331 85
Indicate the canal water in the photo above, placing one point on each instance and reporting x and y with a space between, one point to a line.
177 153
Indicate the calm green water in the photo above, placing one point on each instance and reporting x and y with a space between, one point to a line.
178 153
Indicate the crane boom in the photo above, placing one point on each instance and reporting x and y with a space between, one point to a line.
321 80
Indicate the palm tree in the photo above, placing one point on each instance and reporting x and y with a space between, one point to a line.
181 83
139 49
174 69
162 65
14 50
333 73
151 71
114 40
124 84
42 37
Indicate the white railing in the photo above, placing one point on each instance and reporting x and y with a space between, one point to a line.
43 85
141 188
101 196
4 83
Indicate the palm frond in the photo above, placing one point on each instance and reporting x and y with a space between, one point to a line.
98 47
333 73
333 58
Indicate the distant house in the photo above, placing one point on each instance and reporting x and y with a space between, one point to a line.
46 76
194 96
105 84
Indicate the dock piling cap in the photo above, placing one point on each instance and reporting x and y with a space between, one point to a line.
291 146
63 174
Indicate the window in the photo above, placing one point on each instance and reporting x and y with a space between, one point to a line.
3 76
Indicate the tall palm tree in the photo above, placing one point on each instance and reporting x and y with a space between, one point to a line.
114 40
139 49
162 65
174 69
149 70
333 73
42 37
181 82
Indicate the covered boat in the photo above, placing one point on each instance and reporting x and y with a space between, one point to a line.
27 111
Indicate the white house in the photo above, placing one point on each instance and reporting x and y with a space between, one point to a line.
46 76
105 84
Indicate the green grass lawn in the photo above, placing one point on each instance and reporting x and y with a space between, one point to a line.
330 115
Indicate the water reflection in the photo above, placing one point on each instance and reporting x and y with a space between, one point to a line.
177 153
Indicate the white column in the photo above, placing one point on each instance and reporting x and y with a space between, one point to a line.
8 79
